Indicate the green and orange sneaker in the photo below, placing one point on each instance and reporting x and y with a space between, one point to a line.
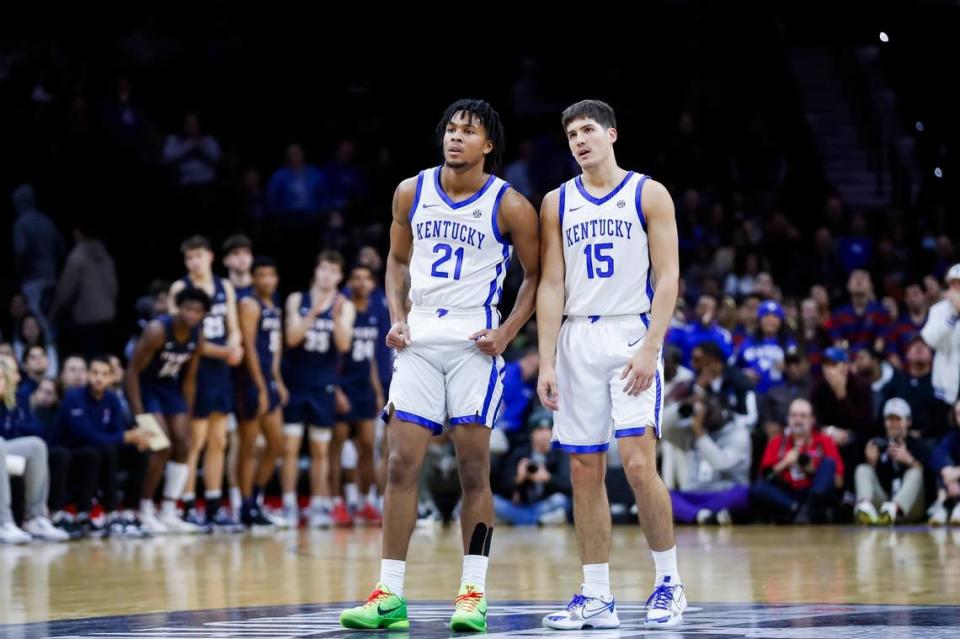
383 609
471 610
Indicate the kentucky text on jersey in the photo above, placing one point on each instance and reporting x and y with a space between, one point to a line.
590 229
450 230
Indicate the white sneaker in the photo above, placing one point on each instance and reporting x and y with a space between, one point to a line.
42 528
724 518
955 516
939 515
555 517
11 534
172 522
888 513
584 612
865 513
291 515
150 524
277 520
666 605
319 518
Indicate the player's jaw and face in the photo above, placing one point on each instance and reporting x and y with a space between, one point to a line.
361 283
239 260
99 376
199 262
191 312
590 143
465 141
265 282
327 276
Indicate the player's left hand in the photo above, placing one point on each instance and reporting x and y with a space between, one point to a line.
235 356
639 371
283 392
341 402
490 341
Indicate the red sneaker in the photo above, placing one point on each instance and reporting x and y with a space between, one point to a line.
341 516
369 515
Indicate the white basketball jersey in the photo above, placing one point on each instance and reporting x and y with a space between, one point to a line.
459 257
605 250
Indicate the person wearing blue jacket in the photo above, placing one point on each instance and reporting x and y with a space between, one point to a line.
93 427
946 465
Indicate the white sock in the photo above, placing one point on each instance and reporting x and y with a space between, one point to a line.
212 494
372 495
174 479
290 500
666 563
236 499
391 575
147 506
322 502
596 580
169 507
475 571
351 493
189 496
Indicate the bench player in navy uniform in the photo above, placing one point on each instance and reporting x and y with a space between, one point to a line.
319 326
162 380
215 397
261 391
360 383
238 258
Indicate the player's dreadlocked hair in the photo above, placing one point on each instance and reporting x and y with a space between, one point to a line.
489 119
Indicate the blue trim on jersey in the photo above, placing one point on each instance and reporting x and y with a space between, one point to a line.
656 406
436 427
466 419
496 210
491 386
643 218
598 202
630 432
416 198
575 448
645 318
649 281
563 199
470 200
496 411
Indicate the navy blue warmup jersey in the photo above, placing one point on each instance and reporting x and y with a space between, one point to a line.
268 337
167 364
355 364
314 362
215 323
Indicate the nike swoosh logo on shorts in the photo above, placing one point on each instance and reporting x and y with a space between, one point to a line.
634 342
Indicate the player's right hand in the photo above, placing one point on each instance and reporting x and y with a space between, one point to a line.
547 388
263 402
399 336
139 437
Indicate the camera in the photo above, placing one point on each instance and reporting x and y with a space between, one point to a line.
803 459
881 443
685 410
533 467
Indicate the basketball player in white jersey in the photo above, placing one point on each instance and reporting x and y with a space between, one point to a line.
450 247
611 266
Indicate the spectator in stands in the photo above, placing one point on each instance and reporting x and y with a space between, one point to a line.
946 466
74 374
862 323
915 385
193 153
86 296
37 247
812 336
800 472
942 333
517 173
20 438
890 484
534 483
761 357
908 324
774 405
30 332
856 248
841 402
717 479
347 181
37 368
869 364
702 328
46 404
93 428
519 389
298 187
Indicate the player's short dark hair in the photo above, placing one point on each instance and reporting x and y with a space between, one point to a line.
191 294
101 358
489 120
594 109
195 242
365 267
709 348
332 257
237 241
263 261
